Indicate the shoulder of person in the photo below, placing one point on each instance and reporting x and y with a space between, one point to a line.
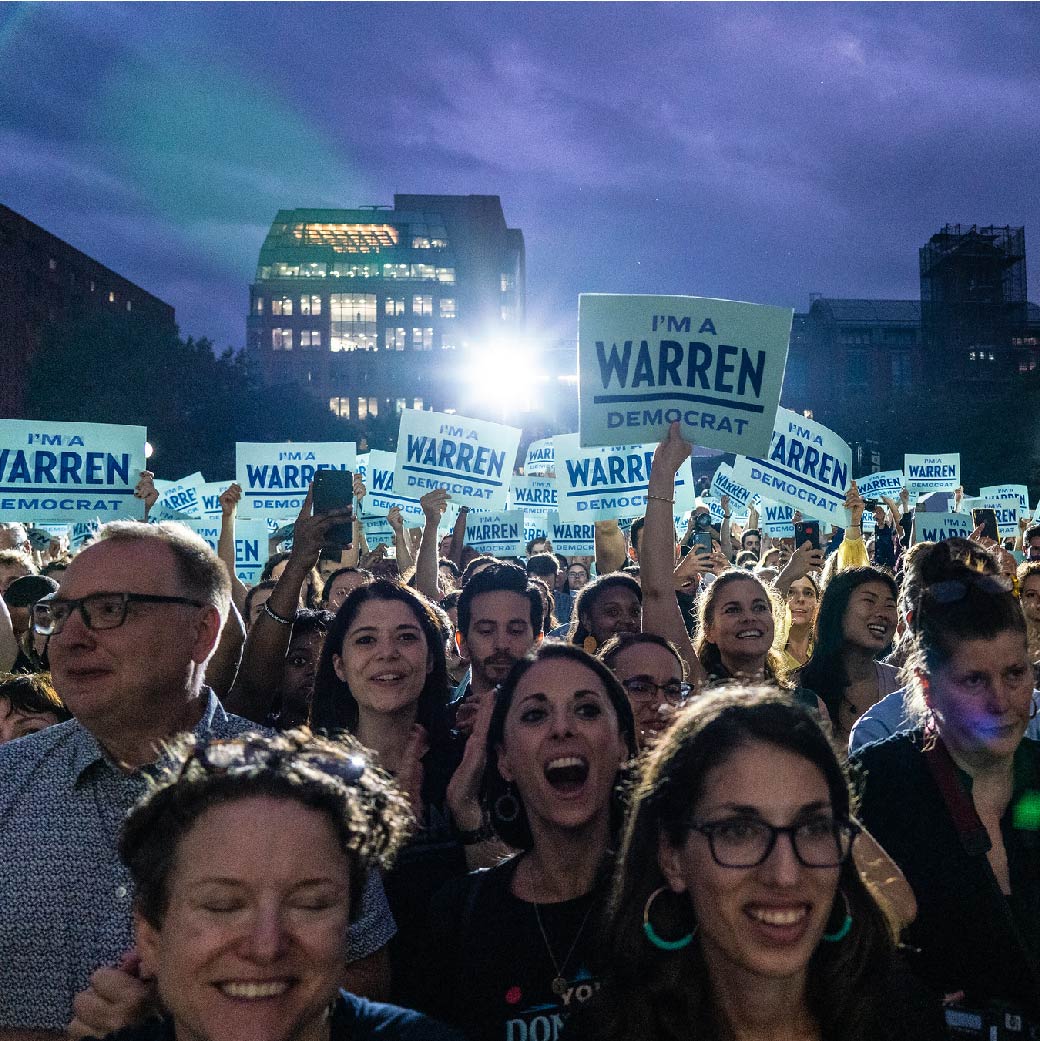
484 884
357 1019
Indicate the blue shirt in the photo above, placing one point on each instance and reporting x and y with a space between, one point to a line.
889 716
65 896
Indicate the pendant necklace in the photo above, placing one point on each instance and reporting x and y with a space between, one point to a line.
559 982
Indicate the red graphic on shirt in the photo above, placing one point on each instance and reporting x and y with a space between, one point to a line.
513 996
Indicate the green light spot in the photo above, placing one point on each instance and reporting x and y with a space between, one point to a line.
1026 815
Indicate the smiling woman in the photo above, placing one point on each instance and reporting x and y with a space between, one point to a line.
736 909
515 946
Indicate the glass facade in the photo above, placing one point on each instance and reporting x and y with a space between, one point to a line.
352 324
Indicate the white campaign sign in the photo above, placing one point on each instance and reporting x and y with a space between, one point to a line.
937 527
926 474
886 484
1008 491
807 467
572 540
611 483
471 458
377 529
181 497
533 494
250 544
209 497
541 458
536 526
70 471
715 366
723 484
275 477
1008 510
776 519
499 532
381 495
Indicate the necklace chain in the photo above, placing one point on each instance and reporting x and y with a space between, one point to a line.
559 982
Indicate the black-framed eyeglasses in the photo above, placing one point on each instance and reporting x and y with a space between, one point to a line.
250 755
99 610
743 842
643 689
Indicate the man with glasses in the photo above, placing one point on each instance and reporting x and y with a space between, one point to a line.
137 617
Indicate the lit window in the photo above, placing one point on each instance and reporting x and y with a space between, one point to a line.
373 407
285 270
422 339
312 271
395 271
446 275
265 273
395 339
447 346
352 269
259 305
129 305
362 408
52 264
353 322
340 406
111 297
400 405
420 242
394 305
971 355
281 305
447 307
281 339
417 404
309 305
507 283
422 305
310 337
424 272
92 285
508 312
343 238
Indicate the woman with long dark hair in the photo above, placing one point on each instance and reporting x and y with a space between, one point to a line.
512 948
736 910
856 623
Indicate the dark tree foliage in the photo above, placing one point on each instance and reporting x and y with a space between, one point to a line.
194 403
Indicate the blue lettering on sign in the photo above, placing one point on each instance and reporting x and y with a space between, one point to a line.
628 473
286 478
450 458
18 469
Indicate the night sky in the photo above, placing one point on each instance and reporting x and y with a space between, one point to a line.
755 152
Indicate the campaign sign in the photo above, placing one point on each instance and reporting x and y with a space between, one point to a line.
572 540
181 498
377 529
541 458
723 484
776 519
807 467
886 484
250 544
533 494
715 366
82 532
536 526
209 497
380 495
1008 491
1008 510
498 532
926 474
610 483
275 477
470 458
70 471
938 527
361 463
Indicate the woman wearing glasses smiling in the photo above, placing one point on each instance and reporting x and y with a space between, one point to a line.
737 911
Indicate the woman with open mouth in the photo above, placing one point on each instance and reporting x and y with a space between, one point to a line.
513 948
855 626
248 858
736 910
956 802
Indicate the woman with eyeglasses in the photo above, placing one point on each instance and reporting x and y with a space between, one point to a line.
650 669
736 910
956 802
248 858
512 949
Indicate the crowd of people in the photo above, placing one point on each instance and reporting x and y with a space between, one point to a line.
761 792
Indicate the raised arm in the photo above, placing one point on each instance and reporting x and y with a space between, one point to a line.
402 544
229 501
259 675
433 505
661 614
611 552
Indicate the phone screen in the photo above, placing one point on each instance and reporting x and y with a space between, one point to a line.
988 519
807 531
333 490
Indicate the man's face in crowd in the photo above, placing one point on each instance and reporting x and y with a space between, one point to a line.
1033 548
541 546
112 674
9 573
500 634
753 544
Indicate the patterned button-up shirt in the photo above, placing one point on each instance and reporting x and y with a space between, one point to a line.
65 896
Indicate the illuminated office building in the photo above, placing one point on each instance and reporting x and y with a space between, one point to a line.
376 309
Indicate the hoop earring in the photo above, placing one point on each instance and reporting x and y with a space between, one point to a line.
589 645
846 925
651 932
507 806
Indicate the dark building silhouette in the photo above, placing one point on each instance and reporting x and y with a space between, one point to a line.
47 285
375 309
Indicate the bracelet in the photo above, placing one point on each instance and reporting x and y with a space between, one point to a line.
473 838
276 617
661 498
